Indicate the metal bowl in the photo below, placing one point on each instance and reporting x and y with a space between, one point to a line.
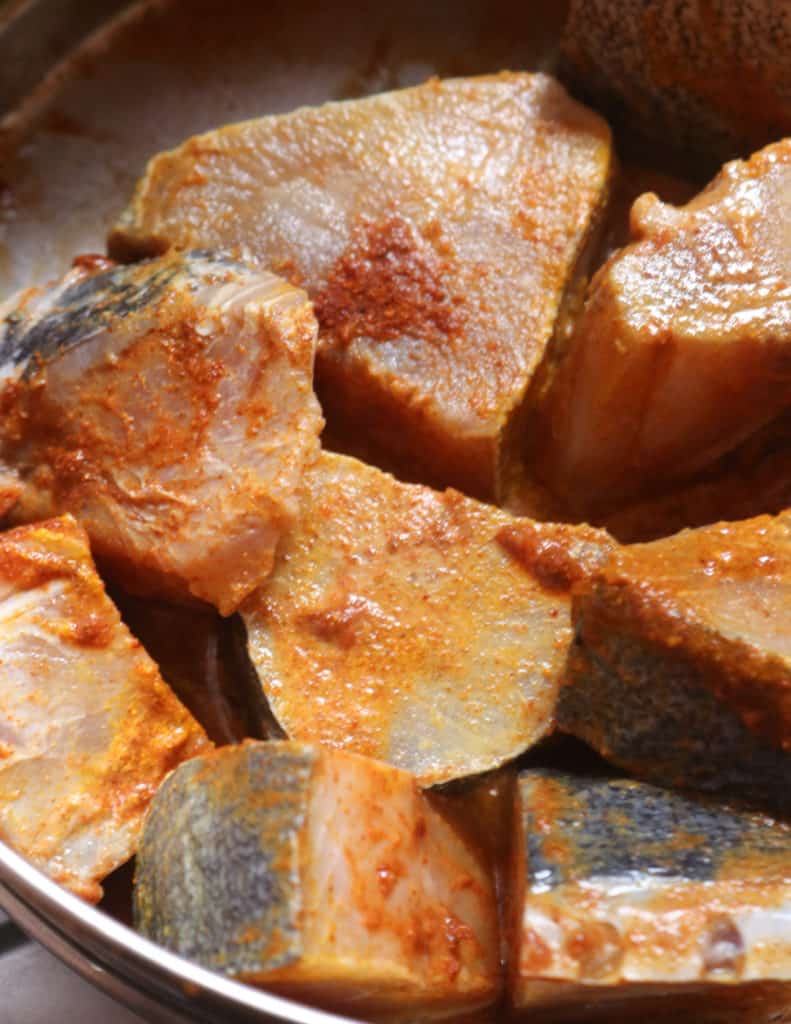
145 977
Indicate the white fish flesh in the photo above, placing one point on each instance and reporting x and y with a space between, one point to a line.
436 228
169 407
423 628
88 729
322 875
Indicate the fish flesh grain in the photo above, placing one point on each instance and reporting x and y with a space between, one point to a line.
422 628
681 668
628 901
321 875
683 349
88 729
437 230
169 407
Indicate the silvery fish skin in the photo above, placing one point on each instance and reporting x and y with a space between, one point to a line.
626 897
169 407
319 874
436 228
88 729
681 668
422 628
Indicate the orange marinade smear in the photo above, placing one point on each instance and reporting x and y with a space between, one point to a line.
415 626
437 229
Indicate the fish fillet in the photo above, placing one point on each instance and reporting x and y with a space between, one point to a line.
88 730
169 407
628 901
712 80
319 874
681 671
684 346
436 229
418 627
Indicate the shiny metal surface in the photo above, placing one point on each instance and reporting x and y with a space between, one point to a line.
65 997
152 982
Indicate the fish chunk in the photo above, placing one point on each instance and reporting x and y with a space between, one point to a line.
711 79
436 229
319 874
684 346
625 897
88 730
681 670
169 407
422 628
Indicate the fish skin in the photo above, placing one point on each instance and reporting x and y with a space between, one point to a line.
422 628
46 326
318 874
710 79
437 229
680 672
637 900
683 349
88 729
232 825
139 398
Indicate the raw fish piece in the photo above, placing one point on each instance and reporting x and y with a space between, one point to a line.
712 79
684 346
681 670
169 407
422 628
319 874
627 900
88 730
436 228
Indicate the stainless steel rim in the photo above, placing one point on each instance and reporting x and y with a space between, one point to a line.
127 966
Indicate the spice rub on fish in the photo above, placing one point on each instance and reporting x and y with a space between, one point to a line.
418 627
436 229
625 897
88 729
321 875
683 349
681 669
169 407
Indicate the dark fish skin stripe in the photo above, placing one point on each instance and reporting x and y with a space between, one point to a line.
611 828
84 309
217 874
92 304
645 711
